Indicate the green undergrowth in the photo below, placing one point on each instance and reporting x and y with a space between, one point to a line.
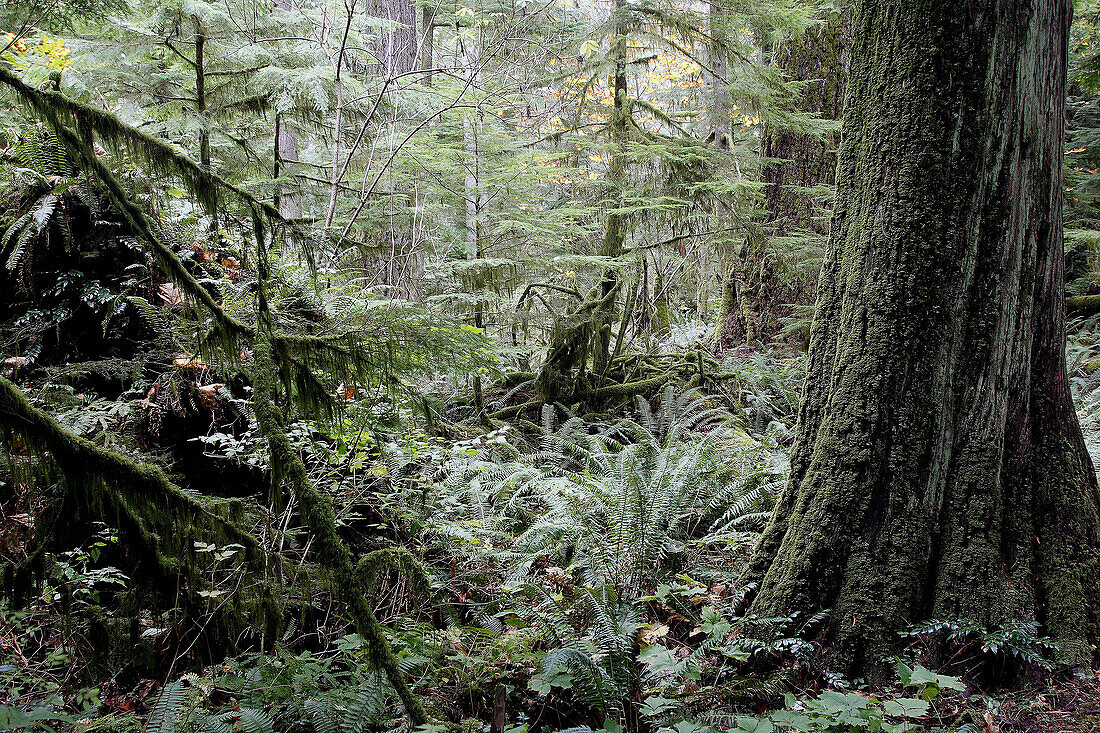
584 576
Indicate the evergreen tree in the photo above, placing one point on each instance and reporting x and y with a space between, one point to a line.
940 470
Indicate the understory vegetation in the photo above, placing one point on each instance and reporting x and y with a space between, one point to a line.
423 366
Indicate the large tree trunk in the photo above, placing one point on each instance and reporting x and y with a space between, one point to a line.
939 469
398 43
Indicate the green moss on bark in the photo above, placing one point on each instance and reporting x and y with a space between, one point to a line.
939 470
288 468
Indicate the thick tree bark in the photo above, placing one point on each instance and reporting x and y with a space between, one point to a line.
398 43
939 469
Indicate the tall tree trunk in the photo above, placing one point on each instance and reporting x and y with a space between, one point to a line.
398 43
427 44
795 162
476 201
721 122
584 332
614 228
817 59
289 204
939 469
338 123
200 96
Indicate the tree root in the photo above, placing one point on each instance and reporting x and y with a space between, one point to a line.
628 376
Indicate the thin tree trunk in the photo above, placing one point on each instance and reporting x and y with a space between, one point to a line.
585 331
289 204
200 96
337 139
614 233
286 153
721 122
939 469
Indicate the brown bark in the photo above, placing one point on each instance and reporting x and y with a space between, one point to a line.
427 44
939 469
398 43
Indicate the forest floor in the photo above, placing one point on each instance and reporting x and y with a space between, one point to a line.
1069 706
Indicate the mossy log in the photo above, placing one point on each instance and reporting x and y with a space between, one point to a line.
157 521
629 376
1082 305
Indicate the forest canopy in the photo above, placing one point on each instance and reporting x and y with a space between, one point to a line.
534 366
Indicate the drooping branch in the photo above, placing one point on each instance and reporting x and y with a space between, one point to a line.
316 509
207 187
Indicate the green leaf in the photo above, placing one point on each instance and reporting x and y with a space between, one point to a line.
659 659
754 725
656 704
906 707
918 676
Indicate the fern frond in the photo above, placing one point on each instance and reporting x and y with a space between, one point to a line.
168 710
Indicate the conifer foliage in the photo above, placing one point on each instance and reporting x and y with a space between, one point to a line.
378 365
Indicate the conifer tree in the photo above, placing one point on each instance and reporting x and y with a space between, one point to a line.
939 470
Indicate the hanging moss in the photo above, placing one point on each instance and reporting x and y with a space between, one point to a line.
316 509
157 521
209 189
396 559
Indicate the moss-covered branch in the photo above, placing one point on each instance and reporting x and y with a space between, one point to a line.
208 188
226 326
159 521
398 559
316 509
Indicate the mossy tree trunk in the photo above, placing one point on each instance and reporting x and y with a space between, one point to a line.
584 333
200 95
939 469
614 228
796 163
